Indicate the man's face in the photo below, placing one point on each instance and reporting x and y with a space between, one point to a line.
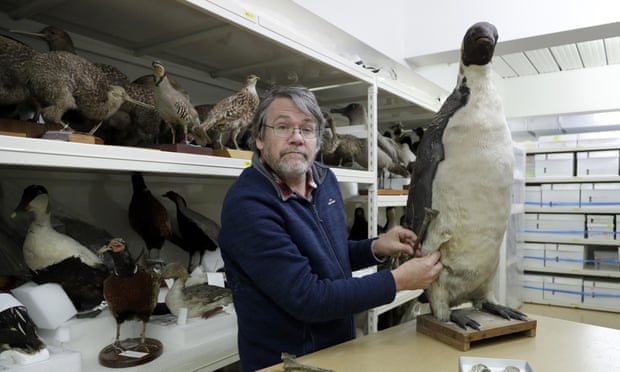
290 157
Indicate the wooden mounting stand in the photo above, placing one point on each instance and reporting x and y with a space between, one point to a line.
491 326
130 353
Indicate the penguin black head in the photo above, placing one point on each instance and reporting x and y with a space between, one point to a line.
479 44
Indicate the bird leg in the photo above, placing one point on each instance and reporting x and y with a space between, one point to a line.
143 334
94 129
208 313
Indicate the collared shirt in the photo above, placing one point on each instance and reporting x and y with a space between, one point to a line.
285 190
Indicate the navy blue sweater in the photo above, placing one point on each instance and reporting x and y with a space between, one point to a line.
289 263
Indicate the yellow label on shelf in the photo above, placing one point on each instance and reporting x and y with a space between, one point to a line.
251 16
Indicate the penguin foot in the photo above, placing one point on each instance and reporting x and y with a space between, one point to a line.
503 311
462 320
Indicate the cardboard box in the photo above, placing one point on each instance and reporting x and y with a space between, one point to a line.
600 194
565 290
554 165
564 256
601 293
560 195
598 163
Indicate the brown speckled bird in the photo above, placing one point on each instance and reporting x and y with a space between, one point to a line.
131 292
174 107
231 114
61 81
13 55
147 215
194 293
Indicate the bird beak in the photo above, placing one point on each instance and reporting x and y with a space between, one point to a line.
136 102
37 34
105 248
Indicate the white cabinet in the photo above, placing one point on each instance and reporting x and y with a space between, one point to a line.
571 236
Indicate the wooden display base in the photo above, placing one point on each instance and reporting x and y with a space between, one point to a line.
70 136
130 353
491 326
232 153
185 148
23 128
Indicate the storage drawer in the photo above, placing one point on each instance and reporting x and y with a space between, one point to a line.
601 293
555 226
533 196
564 256
598 163
560 195
600 194
605 259
565 290
532 287
553 165
533 254
600 227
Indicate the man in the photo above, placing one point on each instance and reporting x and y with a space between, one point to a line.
284 242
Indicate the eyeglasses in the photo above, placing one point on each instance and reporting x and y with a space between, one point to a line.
285 131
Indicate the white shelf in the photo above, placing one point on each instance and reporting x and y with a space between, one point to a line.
400 298
537 239
582 272
575 179
578 148
573 305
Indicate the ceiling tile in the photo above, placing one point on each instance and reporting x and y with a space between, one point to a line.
612 47
543 61
502 68
567 57
520 64
592 53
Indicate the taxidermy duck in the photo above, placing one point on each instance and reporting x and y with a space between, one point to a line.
148 216
57 258
198 232
18 333
194 293
130 291
464 170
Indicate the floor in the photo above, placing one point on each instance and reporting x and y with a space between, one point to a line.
599 318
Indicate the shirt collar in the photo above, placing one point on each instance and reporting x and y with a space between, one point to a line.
285 190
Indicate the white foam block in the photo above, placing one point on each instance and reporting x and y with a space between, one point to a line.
48 305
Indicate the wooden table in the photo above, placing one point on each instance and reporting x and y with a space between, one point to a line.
559 346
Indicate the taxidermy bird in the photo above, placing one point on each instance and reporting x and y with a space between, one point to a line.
131 292
359 229
464 170
147 216
17 330
61 81
198 232
194 293
57 258
13 84
230 115
174 106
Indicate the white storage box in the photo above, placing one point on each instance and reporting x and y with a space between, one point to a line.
533 254
555 226
567 291
564 256
601 293
532 287
600 227
553 165
557 141
533 196
600 194
606 260
608 138
598 163
560 195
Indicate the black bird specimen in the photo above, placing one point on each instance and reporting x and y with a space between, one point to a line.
131 292
17 330
198 232
174 106
147 215
57 258
194 293
359 229
230 115
355 112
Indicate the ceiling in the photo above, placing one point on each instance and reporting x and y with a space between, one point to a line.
587 54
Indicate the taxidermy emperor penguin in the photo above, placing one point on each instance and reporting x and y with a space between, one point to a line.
464 170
